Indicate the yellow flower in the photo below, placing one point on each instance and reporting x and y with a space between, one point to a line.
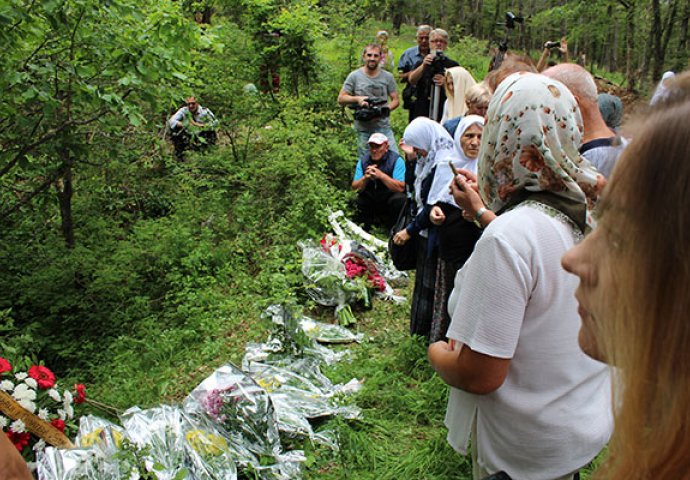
206 443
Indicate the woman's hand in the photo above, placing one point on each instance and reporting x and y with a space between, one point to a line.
401 237
437 216
408 150
465 192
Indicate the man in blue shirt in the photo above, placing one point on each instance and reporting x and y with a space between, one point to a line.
380 182
409 60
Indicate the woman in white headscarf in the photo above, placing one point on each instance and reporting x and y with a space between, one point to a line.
535 405
458 82
455 236
661 91
433 146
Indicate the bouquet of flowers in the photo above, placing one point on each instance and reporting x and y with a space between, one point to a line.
340 273
34 410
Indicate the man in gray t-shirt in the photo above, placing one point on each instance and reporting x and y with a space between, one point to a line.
361 88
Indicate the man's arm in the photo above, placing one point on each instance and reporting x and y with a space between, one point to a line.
359 181
345 99
394 101
416 74
466 369
176 120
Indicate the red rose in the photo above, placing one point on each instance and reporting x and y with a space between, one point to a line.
59 424
5 366
43 376
80 391
20 440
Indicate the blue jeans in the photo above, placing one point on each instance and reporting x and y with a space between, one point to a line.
363 139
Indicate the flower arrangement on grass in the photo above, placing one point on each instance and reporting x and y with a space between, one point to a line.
31 399
341 273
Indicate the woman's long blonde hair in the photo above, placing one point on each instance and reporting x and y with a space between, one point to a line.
647 333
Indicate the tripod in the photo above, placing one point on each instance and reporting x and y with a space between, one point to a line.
435 105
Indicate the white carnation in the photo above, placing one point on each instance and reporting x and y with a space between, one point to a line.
43 414
69 411
68 397
18 426
61 414
55 395
27 405
6 386
31 382
20 376
23 392
3 422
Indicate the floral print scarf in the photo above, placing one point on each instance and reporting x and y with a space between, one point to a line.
530 144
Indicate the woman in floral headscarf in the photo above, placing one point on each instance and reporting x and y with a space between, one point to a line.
536 406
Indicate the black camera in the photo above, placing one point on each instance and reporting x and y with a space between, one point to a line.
512 19
552 44
378 108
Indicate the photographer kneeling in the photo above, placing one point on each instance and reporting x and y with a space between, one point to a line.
429 78
367 90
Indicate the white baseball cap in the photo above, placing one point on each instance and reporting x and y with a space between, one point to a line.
378 138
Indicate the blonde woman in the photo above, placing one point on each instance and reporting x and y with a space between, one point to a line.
634 272
458 82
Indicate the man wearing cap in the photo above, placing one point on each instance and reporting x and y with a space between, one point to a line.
367 90
192 126
380 180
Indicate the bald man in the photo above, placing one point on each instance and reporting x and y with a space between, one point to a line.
601 146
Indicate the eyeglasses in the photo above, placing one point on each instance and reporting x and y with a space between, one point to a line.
376 146
439 40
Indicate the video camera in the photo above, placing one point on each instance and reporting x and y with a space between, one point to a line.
512 19
437 64
552 44
378 108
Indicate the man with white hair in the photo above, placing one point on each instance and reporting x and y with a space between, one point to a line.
429 77
600 145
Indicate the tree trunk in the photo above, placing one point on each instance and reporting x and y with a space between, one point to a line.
682 57
655 33
668 30
63 186
630 74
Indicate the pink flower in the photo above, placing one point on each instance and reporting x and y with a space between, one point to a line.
59 424
43 376
5 366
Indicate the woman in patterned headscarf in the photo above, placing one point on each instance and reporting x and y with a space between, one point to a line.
537 406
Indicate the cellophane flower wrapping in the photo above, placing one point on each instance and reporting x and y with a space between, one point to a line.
328 332
288 339
300 392
347 229
159 431
75 464
208 452
241 410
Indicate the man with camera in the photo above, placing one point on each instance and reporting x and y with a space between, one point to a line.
367 91
380 182
429 78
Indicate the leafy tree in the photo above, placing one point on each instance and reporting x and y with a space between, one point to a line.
77 72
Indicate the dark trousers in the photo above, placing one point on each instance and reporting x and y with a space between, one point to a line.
182 140
379 207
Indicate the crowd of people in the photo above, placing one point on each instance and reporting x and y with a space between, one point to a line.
541 257
550 248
